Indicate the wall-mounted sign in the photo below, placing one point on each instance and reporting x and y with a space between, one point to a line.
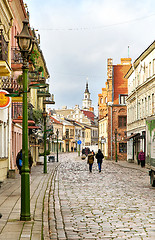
4 100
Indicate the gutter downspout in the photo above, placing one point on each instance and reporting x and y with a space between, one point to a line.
111 132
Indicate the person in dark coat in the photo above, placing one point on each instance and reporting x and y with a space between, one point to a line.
90 161
19 161
99 157
141 158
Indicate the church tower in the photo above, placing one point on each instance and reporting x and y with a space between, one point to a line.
86 102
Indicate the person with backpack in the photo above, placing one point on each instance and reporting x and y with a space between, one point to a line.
90 161
19 161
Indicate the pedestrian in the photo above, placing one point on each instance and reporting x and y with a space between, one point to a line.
90 161
99 157
86 151
0 215
19 161
83 151
141 157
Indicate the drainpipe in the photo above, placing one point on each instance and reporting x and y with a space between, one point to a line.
111 104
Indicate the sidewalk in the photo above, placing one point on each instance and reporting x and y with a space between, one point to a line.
11 228
130 165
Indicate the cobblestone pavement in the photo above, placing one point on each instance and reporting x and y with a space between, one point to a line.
117 203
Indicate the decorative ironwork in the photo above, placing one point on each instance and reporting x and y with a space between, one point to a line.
17 110
3 47
16 57
9 84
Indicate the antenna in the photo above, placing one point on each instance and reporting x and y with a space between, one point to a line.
128 51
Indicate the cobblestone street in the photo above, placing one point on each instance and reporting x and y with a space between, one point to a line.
117 203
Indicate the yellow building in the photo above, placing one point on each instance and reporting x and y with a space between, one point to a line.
6 17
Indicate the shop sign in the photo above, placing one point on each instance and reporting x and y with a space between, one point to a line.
4 100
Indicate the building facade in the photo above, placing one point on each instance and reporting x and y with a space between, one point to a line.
140 100
112 111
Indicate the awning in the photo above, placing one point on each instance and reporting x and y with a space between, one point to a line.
136 135
20 121
33 127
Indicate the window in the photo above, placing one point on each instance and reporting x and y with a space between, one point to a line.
71 132
153 66
67 133
148 105
101 100
122 99
153 103
149 69
122 121
83 135
122 147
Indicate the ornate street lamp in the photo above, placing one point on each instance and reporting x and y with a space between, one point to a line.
79 142
25 43
45 159
115 132
57 132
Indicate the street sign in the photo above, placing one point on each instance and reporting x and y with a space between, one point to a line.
79 142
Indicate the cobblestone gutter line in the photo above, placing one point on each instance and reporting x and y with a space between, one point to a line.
46 209
56 223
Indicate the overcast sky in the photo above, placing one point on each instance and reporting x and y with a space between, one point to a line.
77 37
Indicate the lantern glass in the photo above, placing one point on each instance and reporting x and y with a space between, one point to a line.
24 43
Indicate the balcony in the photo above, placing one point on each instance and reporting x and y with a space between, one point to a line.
5 69
17 110
16 59
9 84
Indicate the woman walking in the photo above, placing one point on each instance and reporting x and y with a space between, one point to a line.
99 157
141 158
90 160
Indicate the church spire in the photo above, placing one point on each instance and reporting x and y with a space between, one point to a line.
86 90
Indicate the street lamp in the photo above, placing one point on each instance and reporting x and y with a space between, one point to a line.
45 160
115 132
79 144
25 42
57 132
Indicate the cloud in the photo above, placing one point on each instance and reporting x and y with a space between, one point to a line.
101 29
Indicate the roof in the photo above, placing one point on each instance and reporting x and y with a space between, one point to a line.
88 114
140 58
55 120
86 90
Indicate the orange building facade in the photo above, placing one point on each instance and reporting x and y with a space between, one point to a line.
113 111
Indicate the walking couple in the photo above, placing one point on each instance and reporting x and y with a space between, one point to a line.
99 156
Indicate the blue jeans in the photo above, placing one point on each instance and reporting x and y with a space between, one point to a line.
99 166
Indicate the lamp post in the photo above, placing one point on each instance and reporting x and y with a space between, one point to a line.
25 42
79 145
115 144
45 160
57 132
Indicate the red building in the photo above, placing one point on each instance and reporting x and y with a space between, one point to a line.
112 106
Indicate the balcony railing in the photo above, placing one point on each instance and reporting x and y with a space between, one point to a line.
16 110
3 47
16 57
9 84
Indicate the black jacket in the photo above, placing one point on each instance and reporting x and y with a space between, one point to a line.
99 157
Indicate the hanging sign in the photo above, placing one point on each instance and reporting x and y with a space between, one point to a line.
4 100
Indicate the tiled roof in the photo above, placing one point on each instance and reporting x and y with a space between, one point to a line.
55 120
88 114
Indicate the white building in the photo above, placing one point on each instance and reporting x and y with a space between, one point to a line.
140 100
